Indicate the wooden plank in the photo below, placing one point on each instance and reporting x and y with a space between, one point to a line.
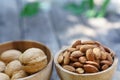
69 27
39 28
9 24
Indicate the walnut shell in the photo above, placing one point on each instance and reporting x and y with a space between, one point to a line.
10 55
2 66
33 59
19 74
4 76
13 67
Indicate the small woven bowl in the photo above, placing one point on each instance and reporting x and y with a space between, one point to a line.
45 73
67 75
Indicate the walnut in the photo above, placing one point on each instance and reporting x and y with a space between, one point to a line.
13 67
10 55
19 74
33 59
2 66
4 76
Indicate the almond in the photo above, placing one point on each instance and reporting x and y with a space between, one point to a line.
89 55
90 68
66 58
69 68
78 47
82 59
83 48
80 70
106 62
76 54
104 67
74 59
93 63
109 57
77 64
90 42
103 55
97 53
71 49
60 58
78 42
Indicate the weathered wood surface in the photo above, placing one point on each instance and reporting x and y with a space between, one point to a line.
57 28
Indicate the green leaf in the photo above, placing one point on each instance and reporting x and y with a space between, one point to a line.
91 13
91 4
30 9
75 9
102 12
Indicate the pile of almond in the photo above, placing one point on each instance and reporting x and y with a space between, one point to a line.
86 57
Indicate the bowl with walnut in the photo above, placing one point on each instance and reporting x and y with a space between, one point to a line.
25 60
88 60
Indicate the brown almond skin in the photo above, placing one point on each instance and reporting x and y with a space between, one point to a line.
83 48
109 58
104 55
69 68
77 64
105 66
90 68
80 70
76 54
60 58
93 63
90 42
106 62
78 42
71 49
66 58
97 53
82 59
73 59
89 55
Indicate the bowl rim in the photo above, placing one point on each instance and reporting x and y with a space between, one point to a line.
60 67
51 55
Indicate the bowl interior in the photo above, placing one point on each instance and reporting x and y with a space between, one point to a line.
23 45
66 71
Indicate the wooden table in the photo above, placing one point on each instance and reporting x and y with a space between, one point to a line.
57 28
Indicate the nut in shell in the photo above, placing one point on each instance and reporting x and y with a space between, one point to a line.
2 66
18 74
33 59
4 76
10 55
13 67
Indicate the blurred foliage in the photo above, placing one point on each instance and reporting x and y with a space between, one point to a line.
30 9
88 8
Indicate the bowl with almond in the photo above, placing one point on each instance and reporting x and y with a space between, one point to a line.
87 60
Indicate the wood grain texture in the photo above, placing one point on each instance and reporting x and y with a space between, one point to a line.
57 28
9 25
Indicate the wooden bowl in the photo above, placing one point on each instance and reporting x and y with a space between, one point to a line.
45 73
67 75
